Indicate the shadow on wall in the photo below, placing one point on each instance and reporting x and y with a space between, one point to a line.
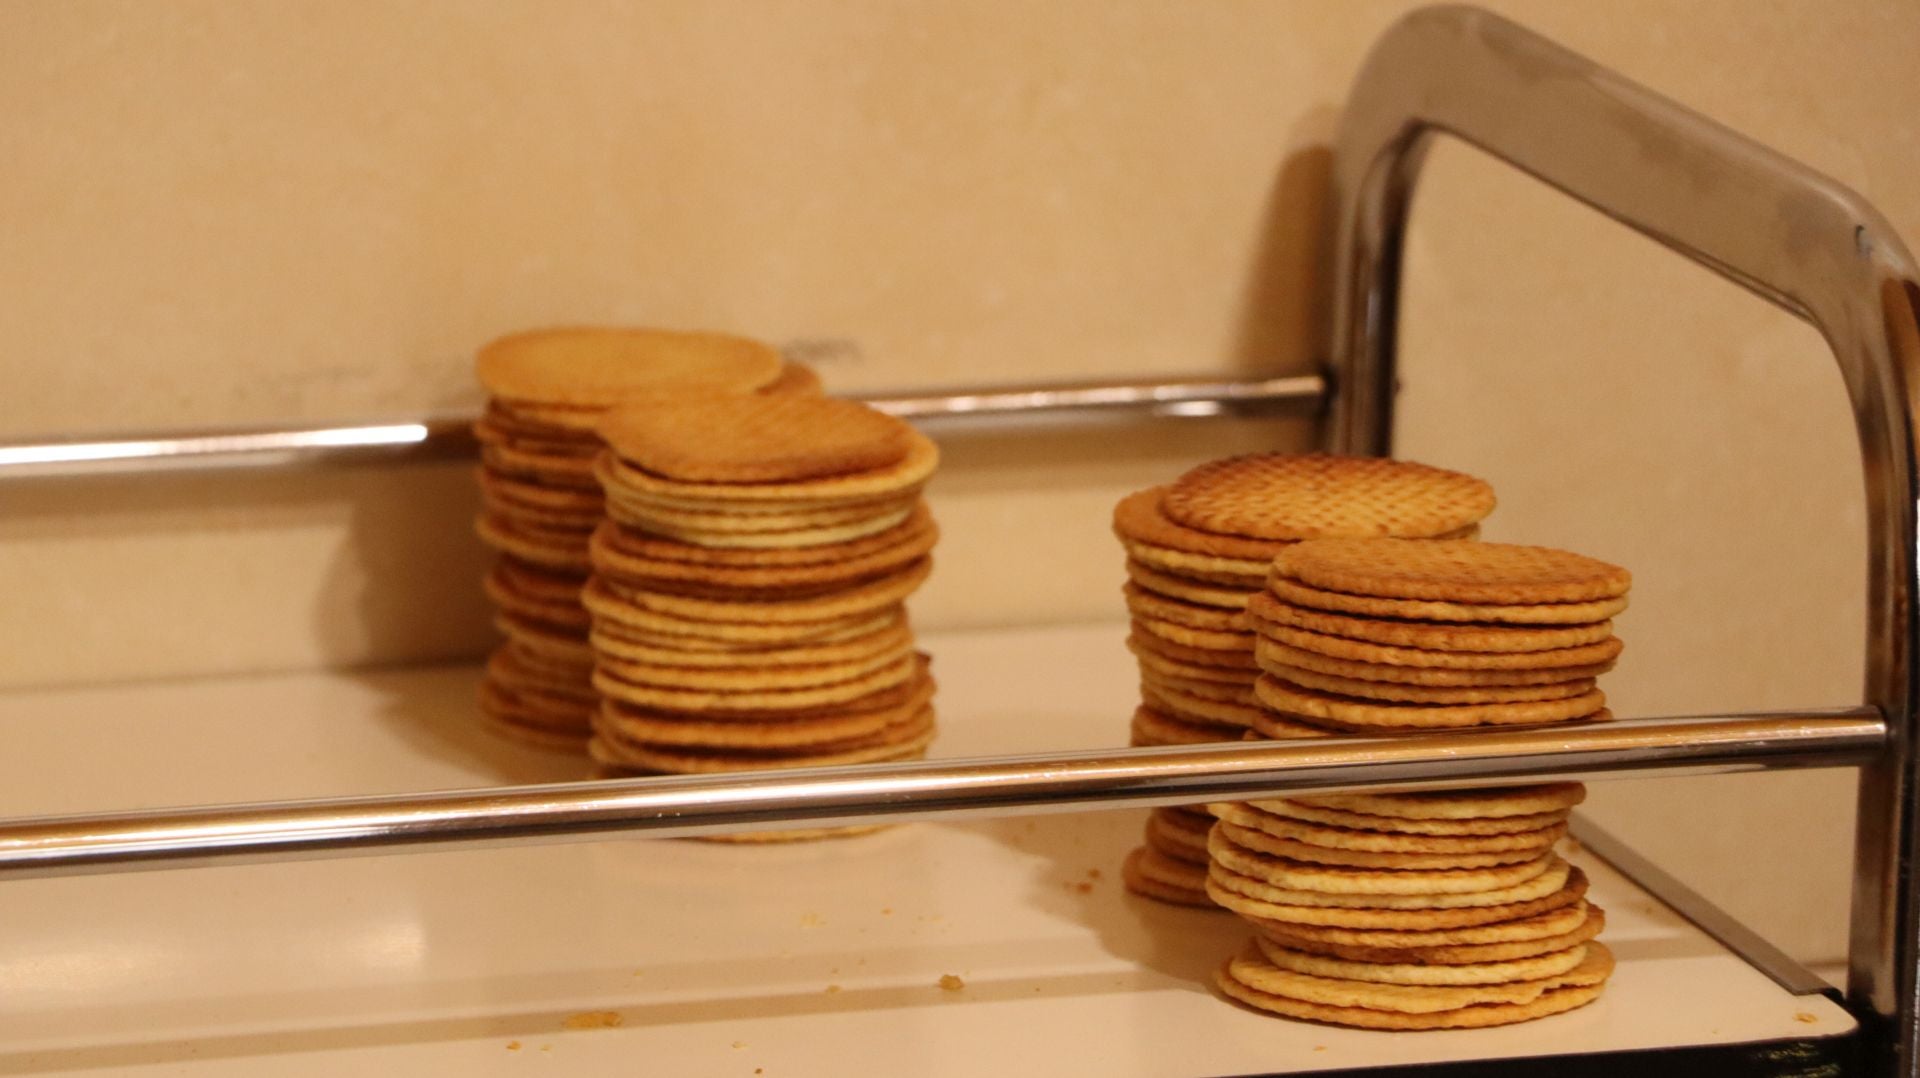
129 578
1283 306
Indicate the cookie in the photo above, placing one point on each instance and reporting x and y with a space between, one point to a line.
1499 825
1431 919
617 474
1151 727
1249 574
1314 706
1586 923
1143 881
1499 971
1475 804
1138 519
1431 636
1602 653
1145 604
1295 850
718 437
1298 594
1280 496
1287 874
1248 815
1255 982
1458 572
1394 692
892 637
609 683
1185 589
595 367
795 378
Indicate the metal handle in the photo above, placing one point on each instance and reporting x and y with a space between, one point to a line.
434 439
1790 235
943 789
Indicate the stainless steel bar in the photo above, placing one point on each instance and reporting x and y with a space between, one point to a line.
947 789
447 437
1695 907
1788 234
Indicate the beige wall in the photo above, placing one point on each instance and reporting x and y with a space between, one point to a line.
228 213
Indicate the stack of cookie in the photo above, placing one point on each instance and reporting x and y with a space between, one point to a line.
1196 551
1409 911
748 586
537 446
1420 910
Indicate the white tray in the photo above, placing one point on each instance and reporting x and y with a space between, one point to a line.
717 959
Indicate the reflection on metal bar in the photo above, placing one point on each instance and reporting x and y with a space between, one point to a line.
450 437
945 789
1694 906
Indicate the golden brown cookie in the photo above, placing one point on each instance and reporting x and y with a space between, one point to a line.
1313 706
1396 919
1425 694
1339 647
595 367
1281 496
1138 519
1430 636
1455 572
1271 653
719 437
1365 837
1292 591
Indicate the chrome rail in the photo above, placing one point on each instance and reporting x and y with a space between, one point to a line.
1781 230
450 437
679 807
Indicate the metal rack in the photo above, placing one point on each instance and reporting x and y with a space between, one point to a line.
1786 233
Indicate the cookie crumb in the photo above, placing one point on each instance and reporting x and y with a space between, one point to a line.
513 1046
592 1020
739 1045
1083 887
951 983
886 911
1093 873
811 920
1803 1016
1319 1047
832 988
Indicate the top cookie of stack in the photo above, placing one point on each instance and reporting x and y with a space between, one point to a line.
537 445
749 580
1196 551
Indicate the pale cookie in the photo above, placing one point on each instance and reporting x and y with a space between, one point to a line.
1293 850
1540 886
1137 518
560 552
1340 647
654 728
1167 842
556 642
1272 652
750 519
1185 589
608 559
909 743
1150 887
1407 919
638 544
1288 874
570 470
499 587
1475 804
750 677
1527 968
1171 872
717 437
1198 708
594 367
1458 572
1502 825
1273 727
1145 604
1311 705
1586 929
910 470
1228 692
1235 657
1246 815
1152 727
614 615
1431 636
1424 694
1308 496
895 634
1292 591
796 378
864 598
782 539
572 742
898 672
1550 925
1152 663
1188 636
1252 981
1244 573
1556 1001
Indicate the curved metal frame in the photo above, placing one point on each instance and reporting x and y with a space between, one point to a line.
1788 234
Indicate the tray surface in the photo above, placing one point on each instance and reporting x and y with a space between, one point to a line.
816 958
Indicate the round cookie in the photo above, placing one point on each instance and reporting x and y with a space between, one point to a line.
1293 591
1139 519
1313 706
1602 653
1246 815
1280 496
1431 636
595 367
1390 691
718 437
1456 572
